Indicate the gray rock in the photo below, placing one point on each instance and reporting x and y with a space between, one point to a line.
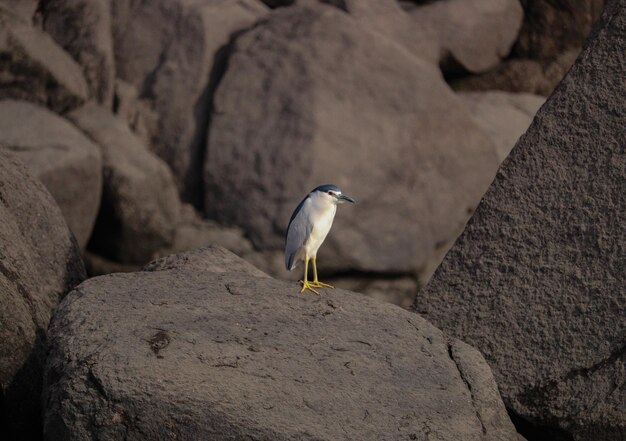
39 264
202 346
503 116
34 68
60 156
473 35
83 29
172 51
140 207
327 101
537 279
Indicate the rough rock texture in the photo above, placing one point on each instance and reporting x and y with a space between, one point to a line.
203 346
39 263
471 35
326 100
34 68
537 279
503 116
140 207
60 156
172 52
83 28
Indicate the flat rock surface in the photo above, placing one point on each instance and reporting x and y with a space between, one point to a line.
537 279
60 156
203 346
39 263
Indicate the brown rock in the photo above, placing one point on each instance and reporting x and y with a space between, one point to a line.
503 116
39 264
172 51
60 156
553 27
83 29
204 346
536 281
471 35
327 101
140 206
34 68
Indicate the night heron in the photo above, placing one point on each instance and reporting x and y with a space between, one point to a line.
308 227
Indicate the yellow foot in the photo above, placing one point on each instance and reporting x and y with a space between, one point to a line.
318 284
308 285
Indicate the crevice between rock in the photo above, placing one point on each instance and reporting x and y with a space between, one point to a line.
467 384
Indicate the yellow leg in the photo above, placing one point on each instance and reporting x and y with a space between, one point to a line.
305 281
317 283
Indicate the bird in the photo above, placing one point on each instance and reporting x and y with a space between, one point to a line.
308 227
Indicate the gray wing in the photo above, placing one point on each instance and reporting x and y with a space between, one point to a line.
298 231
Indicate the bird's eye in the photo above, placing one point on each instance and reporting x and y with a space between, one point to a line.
330 193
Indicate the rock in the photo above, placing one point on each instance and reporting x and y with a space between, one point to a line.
387 19
536 281
25 9
521 75
473 36
397 290
83 28
551 28
172 52
140 207
60 156
140 118
202 346
456 34
34 68
327 101
503 116
39 263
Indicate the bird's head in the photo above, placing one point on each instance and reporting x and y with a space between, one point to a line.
333 194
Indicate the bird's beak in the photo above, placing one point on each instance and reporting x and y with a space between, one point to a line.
344 198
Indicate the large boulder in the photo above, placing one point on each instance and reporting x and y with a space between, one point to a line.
328 101
60 156
204 346
173 53
140 207
503 116
39 263
537 279
83 28
34 68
